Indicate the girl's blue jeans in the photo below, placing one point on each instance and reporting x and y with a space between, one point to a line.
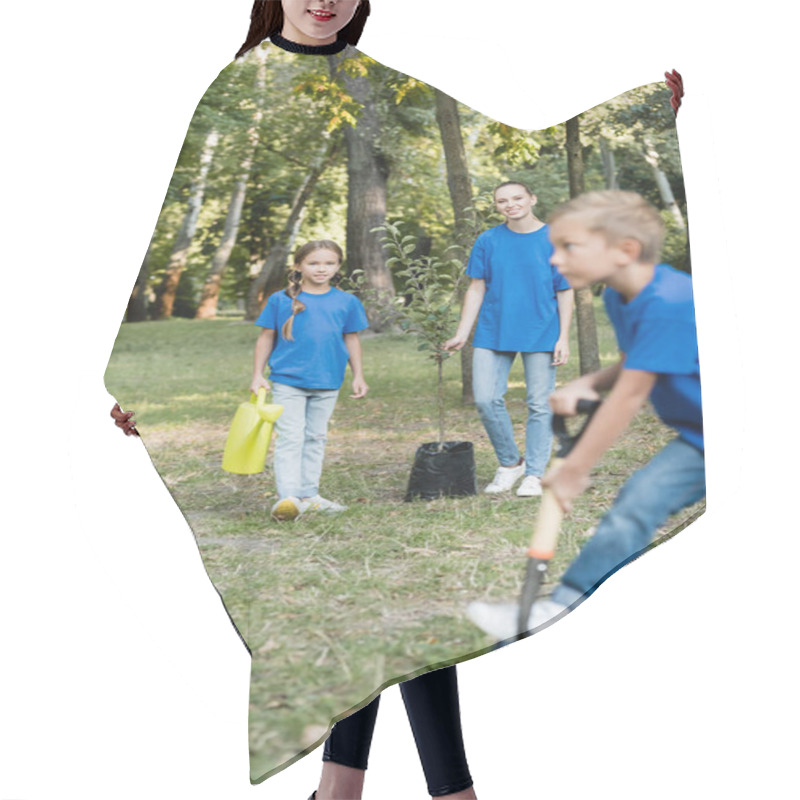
302 430
673 479
490 369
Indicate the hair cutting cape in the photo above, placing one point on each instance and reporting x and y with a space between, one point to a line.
288 147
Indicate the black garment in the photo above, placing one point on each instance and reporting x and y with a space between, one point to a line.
432 706
309 49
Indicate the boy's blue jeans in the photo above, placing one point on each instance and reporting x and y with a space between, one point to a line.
302 431
673 479
490 370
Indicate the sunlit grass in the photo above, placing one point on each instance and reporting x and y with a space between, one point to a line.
334 607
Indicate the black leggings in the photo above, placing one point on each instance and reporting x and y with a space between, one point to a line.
432 706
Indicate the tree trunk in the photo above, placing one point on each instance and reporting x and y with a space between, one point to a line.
609 164
207 309
165 297
137 304
460 185
367 176
281 248
440 406
588 349
662 182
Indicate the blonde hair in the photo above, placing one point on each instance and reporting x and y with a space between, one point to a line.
618 215
296 279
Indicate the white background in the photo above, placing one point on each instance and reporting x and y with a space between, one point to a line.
121 675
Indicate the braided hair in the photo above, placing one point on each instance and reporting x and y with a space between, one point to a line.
296 279
266 19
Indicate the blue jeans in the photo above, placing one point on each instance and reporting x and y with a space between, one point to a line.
673 479
490 370
301 431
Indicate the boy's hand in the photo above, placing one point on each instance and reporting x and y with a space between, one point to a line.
258 383
360 388
561 352
566 484
564 401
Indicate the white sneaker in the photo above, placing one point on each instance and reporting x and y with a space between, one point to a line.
318 503
505 478
531 486
500 619
288 508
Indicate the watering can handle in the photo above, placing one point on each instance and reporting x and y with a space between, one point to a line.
261 398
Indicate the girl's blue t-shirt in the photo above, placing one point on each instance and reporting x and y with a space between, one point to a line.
656 331
519 312
317 357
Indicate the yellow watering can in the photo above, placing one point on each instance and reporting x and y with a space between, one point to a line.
250 434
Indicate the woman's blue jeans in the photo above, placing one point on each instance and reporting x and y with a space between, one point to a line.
490 369
673 479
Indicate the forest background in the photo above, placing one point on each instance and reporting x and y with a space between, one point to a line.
159 631
359 145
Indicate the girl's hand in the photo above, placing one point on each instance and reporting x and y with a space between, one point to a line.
124 420
456 343
561 352
258 383
564 401
360 388
566 484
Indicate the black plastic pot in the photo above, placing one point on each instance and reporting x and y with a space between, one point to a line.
442 470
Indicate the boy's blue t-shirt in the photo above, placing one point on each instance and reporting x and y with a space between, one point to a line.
317 357
519 312
656 331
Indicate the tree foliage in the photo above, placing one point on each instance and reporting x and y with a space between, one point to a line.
306 111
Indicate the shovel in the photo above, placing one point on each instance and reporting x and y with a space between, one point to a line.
548 522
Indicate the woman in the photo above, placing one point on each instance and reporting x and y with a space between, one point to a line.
314 28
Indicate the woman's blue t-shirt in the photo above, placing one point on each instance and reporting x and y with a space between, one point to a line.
519 312
317 357
656 331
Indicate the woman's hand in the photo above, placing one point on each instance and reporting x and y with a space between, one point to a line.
360 388
124 420
259 383
561 352
456 343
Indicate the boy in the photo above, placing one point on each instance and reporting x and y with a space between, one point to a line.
615 237
522 305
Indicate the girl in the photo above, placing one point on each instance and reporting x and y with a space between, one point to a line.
310 332
315 27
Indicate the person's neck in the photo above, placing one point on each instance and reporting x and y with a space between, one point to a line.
527 224
630 279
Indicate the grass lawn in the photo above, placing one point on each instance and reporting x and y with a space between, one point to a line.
333 608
